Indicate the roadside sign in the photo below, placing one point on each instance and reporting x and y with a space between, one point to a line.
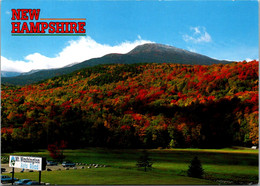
27 162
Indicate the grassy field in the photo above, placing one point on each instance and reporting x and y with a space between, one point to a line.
221 166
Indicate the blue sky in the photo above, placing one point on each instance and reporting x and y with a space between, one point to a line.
218 29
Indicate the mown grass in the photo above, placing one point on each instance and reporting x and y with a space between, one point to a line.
238 166
110 176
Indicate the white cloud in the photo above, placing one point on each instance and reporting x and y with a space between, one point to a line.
77 51
249 59
196 29
199 35
192 49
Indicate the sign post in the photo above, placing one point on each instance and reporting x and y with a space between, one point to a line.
27 162
13 176
40 174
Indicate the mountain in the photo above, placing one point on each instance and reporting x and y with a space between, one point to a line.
31 72
147 53
9 74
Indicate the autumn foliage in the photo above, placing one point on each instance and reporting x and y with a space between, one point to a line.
56 150
140 105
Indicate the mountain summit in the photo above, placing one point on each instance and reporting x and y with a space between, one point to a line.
169 54
154 47
146 53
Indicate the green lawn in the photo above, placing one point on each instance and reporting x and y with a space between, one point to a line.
236 166
110 175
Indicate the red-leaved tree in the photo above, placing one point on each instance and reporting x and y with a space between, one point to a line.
56 150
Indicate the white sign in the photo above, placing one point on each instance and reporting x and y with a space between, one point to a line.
27 162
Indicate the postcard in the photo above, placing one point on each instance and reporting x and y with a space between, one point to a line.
129 92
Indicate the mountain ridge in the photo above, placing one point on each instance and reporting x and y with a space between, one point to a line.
146 53
9 73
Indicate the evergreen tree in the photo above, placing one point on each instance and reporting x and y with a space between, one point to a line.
195 168
144 161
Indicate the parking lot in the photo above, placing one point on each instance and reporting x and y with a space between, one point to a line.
58 167
53 168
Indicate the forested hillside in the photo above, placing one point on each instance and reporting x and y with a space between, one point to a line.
138 105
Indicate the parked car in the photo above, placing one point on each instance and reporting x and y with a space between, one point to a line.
22 182
68 164
32 183
51 163
7 179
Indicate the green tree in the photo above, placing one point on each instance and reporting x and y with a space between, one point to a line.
144 161
195 168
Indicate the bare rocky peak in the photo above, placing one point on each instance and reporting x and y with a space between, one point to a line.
155 47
